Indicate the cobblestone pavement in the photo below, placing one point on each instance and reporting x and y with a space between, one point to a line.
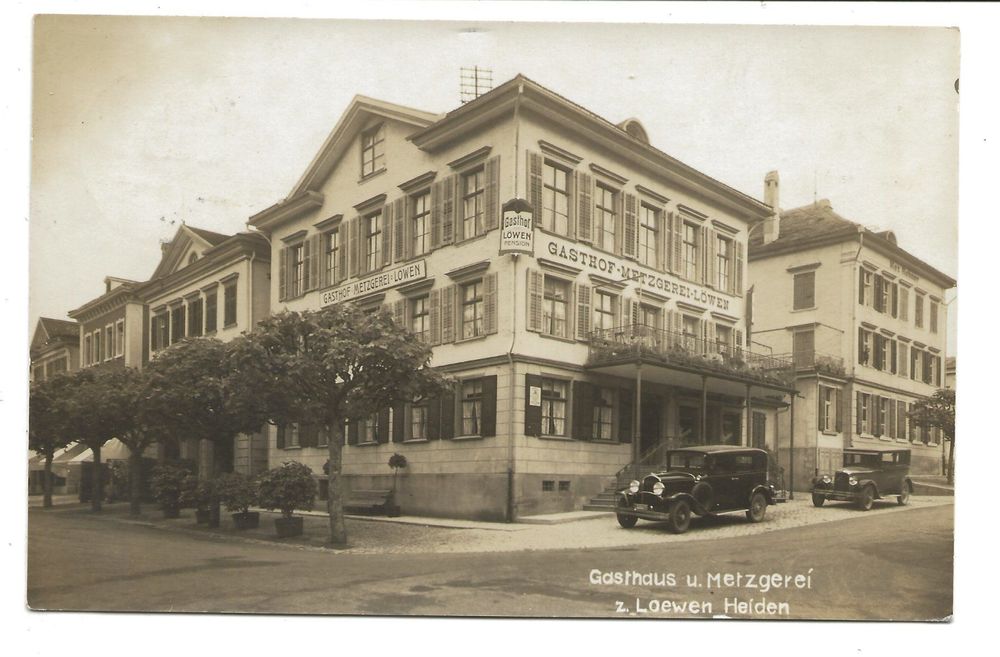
373 537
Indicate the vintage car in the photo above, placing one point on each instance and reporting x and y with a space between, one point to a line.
704 480
868 474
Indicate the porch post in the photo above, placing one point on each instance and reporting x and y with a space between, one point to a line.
704 408
749 426
636 432
791 447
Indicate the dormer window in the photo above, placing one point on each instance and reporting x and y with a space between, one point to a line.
373 151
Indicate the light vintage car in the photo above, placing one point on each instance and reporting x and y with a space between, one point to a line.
703 480
868 474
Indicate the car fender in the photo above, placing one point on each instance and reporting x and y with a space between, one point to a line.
869 482
763 489
909 484
695 505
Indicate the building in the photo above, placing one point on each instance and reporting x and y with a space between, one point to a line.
622 334
950 371
55 348
111 326
864 322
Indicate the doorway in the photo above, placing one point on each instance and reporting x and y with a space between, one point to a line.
650 418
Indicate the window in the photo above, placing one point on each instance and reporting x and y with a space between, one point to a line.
373 241
211 311
604 310
418 423
804 347
604 402
176 324
331 244
472 309
827 408
323 436
548 485
690 251
692 329
420 323
473 202
732 431
120 337
864 346
554 307
881 294
805 291
420 224
649 316
555 200
881 416
723 338
933 316
894 299
161 331
689 423
863 412
918 310
87 353
292 435
196 318
109 342
865 288
553 407
373 151
192 258
564 486
98 353
604 216
229 300
472 407
298 270
649 231
723 262
916 361
368 432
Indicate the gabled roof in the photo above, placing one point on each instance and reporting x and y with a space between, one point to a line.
49 330
185 238
209 236
816 225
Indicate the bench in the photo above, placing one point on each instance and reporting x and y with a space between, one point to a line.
371 502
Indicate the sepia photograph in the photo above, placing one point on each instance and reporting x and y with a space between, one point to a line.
460 318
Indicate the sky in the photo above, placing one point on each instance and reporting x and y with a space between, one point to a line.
141 123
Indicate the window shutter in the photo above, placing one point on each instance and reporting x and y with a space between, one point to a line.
399 312
319 262
630 247
488 421
491 214
280 441
282 279
398 423
625 416
536 285
677 242
584 188
435 316
632 310
583 311
708 248
448 414
861 286
534 164
433 418
448 314
583 410
532 414
937 371
904 358
490 303
820 418
901 431
858 414
904 304
449 187
877 415
307 261
355 260
437 209
383 428
738 336
342 258
308 435
399 208
352 432
839 426
892 418
893 355
879 290
709 335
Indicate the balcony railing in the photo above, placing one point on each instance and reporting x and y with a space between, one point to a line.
687 351
821 363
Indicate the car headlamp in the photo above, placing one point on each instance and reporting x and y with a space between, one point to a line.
825 479
852 481
633 486
658 488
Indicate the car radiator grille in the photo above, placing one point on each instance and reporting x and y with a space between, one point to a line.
840 481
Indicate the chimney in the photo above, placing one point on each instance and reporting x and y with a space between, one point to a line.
772 223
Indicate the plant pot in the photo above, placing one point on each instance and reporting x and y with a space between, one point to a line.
288 527
171 512
201 516
250 520
392 510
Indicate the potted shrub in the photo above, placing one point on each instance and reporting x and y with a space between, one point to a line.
397 461
287 488
198 495
238 493
168 485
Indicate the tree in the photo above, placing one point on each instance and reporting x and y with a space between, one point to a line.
938 412
320 368
49 427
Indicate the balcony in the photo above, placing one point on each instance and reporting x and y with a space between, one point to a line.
686 352
812 361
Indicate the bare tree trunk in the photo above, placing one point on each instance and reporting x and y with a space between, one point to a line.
335 492
135 482
47 482
951 463
97 488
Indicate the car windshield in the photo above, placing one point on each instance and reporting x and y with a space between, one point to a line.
861 459
685 461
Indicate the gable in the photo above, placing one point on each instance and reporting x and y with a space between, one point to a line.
188 242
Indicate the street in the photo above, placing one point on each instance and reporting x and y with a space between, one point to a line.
895 565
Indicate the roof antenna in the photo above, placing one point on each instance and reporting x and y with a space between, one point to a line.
815 200
474 82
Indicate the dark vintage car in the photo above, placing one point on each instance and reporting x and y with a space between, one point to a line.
868 474
703 480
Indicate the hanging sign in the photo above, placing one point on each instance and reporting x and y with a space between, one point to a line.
517 228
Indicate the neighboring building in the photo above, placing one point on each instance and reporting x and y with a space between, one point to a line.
950 367
209 284
865 323
111 326
55 347
621 335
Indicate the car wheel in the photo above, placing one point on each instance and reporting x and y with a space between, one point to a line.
680 517
628 522
867 498
818 499
904 494
758 507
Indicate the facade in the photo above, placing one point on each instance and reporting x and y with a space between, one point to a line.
865 324
622 334
111 326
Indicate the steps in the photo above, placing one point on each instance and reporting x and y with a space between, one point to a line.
603 501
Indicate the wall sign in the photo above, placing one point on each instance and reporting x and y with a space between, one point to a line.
517 228
390 278
534 396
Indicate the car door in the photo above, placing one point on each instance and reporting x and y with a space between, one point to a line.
719 476
884 475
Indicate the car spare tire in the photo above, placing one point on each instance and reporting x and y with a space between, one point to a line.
703 495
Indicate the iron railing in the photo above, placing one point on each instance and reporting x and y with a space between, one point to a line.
822 363
683 350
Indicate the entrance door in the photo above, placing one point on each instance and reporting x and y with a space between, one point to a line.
649 427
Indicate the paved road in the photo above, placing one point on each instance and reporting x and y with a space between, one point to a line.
890 566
